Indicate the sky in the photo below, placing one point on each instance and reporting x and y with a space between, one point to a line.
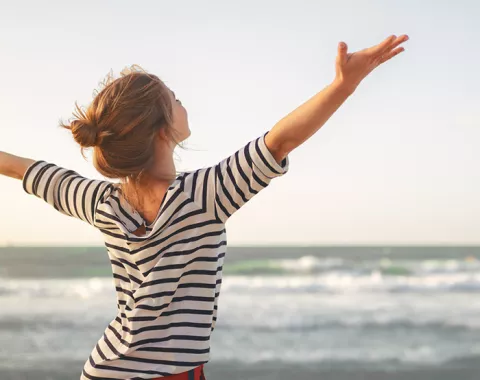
398 164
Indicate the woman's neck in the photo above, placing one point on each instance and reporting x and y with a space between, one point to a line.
146 194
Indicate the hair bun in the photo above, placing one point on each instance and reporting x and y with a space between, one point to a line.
84 133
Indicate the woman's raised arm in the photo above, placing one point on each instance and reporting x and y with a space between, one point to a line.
351 68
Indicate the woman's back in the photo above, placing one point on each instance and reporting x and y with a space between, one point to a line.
167 280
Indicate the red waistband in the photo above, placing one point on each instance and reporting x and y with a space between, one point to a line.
194 374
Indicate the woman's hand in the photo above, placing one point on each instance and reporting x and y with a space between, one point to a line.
352 68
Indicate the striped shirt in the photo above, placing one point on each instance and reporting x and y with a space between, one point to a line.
168 280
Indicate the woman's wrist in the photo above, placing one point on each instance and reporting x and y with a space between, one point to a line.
343 86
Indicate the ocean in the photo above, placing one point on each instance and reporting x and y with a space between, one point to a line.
337 313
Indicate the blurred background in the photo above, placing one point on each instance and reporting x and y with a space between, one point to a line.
361 263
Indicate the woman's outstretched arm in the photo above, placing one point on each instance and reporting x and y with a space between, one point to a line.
14 166
351 68
65 190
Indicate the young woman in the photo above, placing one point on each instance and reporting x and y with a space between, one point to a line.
164 231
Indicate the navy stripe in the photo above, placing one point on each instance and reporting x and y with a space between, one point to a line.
187 252
109 233
27 174
84 195
205 188
194 185
251 164
109 216
38 178
126 214
176 299
61 192
239 191
262 157
224 189
242 173
67 192
181 266
163 327
110 345
94 202
77 186
193 338
47 185
173 312
120 277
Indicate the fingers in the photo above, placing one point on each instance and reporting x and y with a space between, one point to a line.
397 42
387 45
382 46
342 52
391 54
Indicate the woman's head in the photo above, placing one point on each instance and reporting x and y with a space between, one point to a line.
127 122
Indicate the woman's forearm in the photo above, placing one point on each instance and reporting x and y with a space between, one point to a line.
14 166
299 125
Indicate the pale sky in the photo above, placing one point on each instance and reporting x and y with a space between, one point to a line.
398 164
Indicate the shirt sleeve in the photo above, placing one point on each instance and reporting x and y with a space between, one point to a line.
244 174
65 190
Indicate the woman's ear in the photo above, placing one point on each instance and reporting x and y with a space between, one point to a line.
161 135
164 138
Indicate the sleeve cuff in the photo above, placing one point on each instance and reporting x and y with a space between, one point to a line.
264 160
30 176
